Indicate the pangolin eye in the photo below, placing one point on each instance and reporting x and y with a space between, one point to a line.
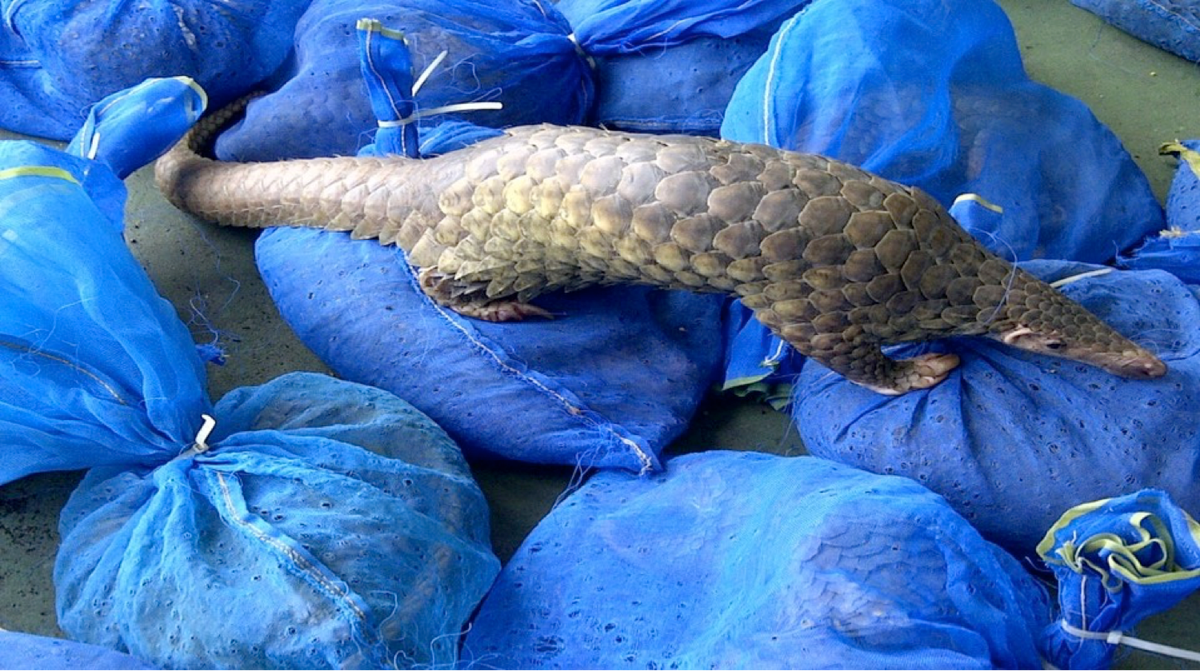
1054 345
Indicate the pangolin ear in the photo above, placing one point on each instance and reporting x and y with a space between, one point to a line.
1023 337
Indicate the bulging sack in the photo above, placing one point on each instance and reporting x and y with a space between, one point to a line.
671 67
286 544
747 560
1176 249
516 53
1010 438
58 57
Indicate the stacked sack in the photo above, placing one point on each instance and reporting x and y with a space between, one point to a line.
58 57
1176 249
1173 25
308 522
670 67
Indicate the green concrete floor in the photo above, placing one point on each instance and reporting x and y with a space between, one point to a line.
1145 95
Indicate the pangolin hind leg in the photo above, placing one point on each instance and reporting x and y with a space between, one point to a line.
470 299
867 365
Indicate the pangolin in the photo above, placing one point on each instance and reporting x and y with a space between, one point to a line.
835 260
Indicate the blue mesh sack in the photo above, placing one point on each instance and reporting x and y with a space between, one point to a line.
934 95
1117 562
322 523
747 560
26 651
1177 249
286 544
613 378
670 67
516 53
1173 25
1012 438
58 57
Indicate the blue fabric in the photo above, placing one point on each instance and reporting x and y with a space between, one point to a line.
134 126
58 57
515 52
1010 438
287 545
745 560
1117 561
671 67
26 651
95 367
608 383
1177 249
323 523
1173 25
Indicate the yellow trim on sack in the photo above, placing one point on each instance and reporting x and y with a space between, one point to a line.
376 26
1123 559
976 198
1191 156
38 171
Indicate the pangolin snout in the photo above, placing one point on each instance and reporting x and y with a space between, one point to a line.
1141 366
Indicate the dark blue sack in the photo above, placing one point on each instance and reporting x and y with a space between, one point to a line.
26 651
1177 249
670 67
58 57
1173 25
746 560
609 382
1118 561
516 53
319 523
1012 438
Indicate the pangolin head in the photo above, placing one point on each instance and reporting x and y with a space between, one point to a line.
1036 317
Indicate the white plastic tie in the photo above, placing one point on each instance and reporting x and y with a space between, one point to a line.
428 71
95 146
444 109
1119 638
579 50
201 443
1075 278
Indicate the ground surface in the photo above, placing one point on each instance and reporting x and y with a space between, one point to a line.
1145 95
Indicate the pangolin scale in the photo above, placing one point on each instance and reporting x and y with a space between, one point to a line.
836 261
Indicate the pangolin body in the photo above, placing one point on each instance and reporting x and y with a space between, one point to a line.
835 260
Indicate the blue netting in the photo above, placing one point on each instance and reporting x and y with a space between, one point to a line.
613 378
323 523
1012 438
57 57
515 52
671 67
1118 561
1173 25
26 651
1177 249
746 560
287 545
